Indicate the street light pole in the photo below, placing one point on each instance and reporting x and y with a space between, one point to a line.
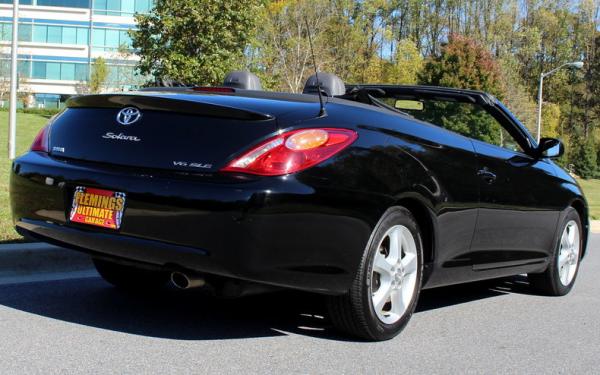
12 111
574 64
539 117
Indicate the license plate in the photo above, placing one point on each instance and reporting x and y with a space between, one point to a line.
102 208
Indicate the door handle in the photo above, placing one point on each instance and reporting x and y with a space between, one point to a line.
487 176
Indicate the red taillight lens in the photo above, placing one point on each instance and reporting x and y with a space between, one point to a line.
40 143
292 151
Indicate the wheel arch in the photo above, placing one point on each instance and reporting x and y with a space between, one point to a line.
425 220
581 208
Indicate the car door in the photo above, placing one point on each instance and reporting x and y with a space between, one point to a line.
518 212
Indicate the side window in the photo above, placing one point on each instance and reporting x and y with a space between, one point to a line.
468 119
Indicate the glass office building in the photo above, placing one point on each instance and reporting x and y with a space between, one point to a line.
60 39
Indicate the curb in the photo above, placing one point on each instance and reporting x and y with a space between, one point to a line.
595 226
25 259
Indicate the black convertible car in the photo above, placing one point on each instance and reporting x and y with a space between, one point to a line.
365 193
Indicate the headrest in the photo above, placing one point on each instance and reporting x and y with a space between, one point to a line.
242 80
331 85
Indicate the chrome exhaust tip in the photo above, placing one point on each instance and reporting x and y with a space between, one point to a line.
184 281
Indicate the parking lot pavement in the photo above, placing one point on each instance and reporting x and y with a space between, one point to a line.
85 326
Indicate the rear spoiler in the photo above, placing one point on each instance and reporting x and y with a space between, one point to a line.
167 103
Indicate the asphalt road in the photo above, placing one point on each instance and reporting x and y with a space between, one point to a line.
85 326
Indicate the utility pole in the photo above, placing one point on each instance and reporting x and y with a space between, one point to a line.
12 111
574 65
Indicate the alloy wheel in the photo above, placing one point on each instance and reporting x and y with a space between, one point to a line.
394 274
568 253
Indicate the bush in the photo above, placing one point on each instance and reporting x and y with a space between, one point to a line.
45 112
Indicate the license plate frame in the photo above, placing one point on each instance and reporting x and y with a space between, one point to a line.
97 207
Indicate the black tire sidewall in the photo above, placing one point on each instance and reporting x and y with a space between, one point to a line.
378 329
558 286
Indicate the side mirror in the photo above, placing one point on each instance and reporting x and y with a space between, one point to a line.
550 148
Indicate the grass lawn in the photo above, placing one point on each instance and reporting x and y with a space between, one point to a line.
27 127
29 124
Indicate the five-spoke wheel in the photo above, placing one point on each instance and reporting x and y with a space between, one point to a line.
394 276
568 253
386 288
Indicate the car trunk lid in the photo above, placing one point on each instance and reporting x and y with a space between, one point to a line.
180 132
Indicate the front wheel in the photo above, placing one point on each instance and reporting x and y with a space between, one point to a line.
559 277
385 290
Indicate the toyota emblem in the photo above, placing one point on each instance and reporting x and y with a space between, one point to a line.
128 116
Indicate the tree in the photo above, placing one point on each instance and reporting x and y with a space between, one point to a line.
463 63
4 80
551 120
24 93
407 64
98 76
342 41
125 76
516 96
584 158
283 40
195 42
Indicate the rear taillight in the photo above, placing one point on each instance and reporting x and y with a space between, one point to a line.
292 151
40 143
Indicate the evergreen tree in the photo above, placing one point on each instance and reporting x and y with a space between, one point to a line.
584 158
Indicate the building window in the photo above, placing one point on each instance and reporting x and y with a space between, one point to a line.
47 100
67 72
39 70
53 3
46 34
40 34
53 71
24 68
81 72
22 2
110 39
128 7
65 3
82 35
122 75
25 32
5 31
69 35
54 34
122 7
59 71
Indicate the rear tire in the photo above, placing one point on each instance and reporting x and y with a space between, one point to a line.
559 277
384 293
130 278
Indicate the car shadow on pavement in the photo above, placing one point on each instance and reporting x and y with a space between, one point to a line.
192 315
463 293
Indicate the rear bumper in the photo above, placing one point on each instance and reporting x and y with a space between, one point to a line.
279 231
